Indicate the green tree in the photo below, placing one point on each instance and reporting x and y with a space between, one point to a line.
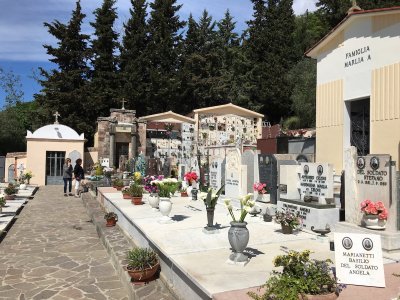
164 50
12 87
202 64
135 59
65 89
104 86
304 78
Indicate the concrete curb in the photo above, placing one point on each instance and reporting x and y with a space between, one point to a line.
117 244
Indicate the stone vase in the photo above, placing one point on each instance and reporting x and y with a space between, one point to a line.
165 207
22 186
154 201
238 236
373 222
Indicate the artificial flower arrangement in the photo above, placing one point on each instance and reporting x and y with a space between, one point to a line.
211 197
148 186
245 207
137 177
288 218
165 186
259 188
369 207
190 177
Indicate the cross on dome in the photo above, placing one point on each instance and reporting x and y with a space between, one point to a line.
56 115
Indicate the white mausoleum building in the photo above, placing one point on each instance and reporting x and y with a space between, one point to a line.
358 86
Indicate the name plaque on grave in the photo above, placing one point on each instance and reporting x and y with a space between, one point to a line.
373 177
316 180
358 259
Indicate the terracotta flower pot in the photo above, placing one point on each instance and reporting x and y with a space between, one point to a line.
126 196
9 197
111 222
145 274
119 188
137 200
184 194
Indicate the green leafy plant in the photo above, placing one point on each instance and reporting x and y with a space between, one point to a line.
2 202
125 190
288 218
10 189
118 182
141 258
136 190
98 170
166 186
111 215
300 275
245 207
211 197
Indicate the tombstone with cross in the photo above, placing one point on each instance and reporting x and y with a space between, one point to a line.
56 115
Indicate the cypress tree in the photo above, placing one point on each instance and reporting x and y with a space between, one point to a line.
135 60
104 81
65 88
164 49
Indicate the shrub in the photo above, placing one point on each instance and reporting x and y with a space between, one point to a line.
141 258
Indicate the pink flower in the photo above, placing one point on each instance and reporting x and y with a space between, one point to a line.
383 215
374 208
259 187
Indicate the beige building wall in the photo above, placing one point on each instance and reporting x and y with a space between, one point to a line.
36 155
90 158
385 112
329 124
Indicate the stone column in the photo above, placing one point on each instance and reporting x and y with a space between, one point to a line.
133 144
112 146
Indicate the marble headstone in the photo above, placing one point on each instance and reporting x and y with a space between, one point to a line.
316 180
233 174
216 174
249 158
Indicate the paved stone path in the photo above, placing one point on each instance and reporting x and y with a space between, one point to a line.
53 252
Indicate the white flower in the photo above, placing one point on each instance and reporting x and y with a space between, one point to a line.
227 202
230 207
251 203
247 208
203 195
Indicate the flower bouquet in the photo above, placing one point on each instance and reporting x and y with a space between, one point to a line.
289 220
259 188
245 207
191 177
148 186
375 214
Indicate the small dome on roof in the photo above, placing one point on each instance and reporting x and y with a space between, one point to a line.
55 132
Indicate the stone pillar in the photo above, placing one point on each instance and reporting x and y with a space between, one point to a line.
133 144
112 146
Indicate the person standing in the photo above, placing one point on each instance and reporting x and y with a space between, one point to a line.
79 175
67 176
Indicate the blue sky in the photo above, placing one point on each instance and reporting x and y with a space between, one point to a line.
22 33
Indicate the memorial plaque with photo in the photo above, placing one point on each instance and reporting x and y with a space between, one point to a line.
268 174
216 174
316 180
373 178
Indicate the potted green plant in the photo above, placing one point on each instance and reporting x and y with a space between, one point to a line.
300 278
143 263
136 193
210 200
288 219
2 203
184 192
111 218
238 234
28 175
10 192
126 194
118 184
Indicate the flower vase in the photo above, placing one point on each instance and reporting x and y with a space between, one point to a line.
154 201
286 229
238 236
194 194
373 222
210 218
22 186
165 207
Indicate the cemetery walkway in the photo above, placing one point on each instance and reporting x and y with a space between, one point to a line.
53 252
